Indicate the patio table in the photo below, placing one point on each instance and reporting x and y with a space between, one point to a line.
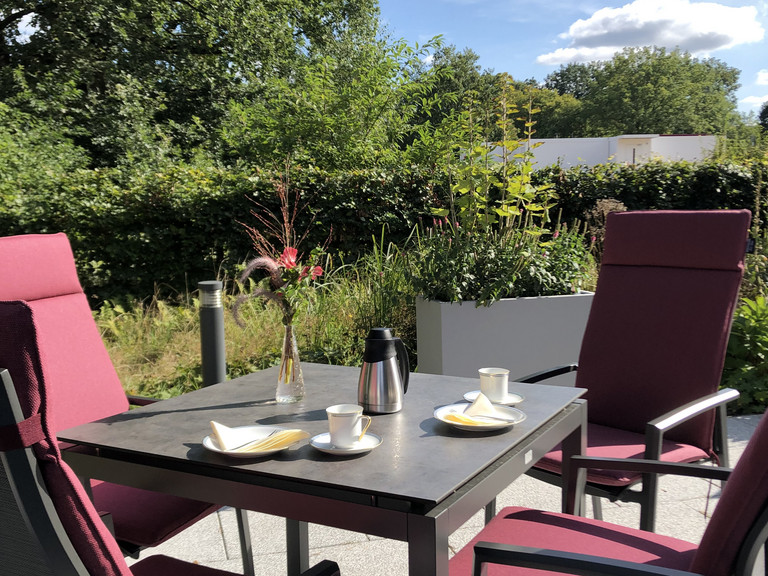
422 483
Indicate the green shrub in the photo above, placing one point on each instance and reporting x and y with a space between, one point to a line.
453 264
746 362
141 230
660 185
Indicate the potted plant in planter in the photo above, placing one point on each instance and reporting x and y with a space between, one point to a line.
500 282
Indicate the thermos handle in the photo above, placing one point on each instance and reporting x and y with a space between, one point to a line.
402 360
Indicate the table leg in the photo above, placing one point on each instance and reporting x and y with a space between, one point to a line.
490 510
297 546
574 444
244 534
427 547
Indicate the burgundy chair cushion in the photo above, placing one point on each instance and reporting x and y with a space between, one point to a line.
24 275
744 497
607 442
72 355
45 278
549 530
87 387
90 538
704 239
660 320
129 508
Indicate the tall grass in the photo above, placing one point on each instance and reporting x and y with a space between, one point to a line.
155 344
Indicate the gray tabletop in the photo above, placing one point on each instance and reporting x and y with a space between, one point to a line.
420 462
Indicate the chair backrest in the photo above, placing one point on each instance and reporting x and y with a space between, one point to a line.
740 513
48 496
661 315
38 274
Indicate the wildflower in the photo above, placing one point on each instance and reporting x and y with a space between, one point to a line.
288 258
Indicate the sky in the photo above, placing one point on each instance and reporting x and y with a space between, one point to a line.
530 39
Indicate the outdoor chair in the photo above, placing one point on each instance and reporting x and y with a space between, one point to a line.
49 525
520 540
44 312
654 347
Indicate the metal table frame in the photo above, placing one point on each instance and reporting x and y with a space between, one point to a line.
425 526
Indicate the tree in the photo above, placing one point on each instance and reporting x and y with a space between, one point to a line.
350 107
455 76
575 79
650 90
762 117
164 64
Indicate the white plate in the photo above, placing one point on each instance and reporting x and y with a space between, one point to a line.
323 443
511 399
255 432
515 416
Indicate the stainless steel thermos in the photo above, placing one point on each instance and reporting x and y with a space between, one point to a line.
384 375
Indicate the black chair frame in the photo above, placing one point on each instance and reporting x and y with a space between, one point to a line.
654 436
43 534
587 565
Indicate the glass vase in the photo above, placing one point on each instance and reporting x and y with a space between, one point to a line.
290 381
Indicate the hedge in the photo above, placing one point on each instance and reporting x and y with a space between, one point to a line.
161 231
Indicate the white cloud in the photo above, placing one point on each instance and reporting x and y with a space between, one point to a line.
762 78
698 27
754 101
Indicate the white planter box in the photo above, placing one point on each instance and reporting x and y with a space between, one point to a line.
525 335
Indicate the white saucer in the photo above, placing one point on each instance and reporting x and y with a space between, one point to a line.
511 399
256 432
323 443
515 416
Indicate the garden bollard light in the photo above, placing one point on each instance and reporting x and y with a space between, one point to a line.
212 348
214 368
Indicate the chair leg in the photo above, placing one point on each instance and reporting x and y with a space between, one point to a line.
597 508
246 550
720 440
648 502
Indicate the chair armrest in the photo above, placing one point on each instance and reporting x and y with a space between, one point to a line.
141 400
323 568
692 409
655 429
545 374
565 562
652 466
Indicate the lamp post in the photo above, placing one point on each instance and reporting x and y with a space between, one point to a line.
212 347
214 368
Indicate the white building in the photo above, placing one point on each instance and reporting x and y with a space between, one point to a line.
627 149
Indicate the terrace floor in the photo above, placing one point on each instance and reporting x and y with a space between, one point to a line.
684 507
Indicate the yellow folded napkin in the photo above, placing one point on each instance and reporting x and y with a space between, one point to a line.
242 440
480 413
467 420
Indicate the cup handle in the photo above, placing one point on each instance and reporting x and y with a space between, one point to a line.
365 429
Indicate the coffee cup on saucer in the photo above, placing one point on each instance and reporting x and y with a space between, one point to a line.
494 383
345 424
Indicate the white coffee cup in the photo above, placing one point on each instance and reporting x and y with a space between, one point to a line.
493 383
345 423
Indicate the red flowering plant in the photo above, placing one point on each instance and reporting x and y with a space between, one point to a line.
287 279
